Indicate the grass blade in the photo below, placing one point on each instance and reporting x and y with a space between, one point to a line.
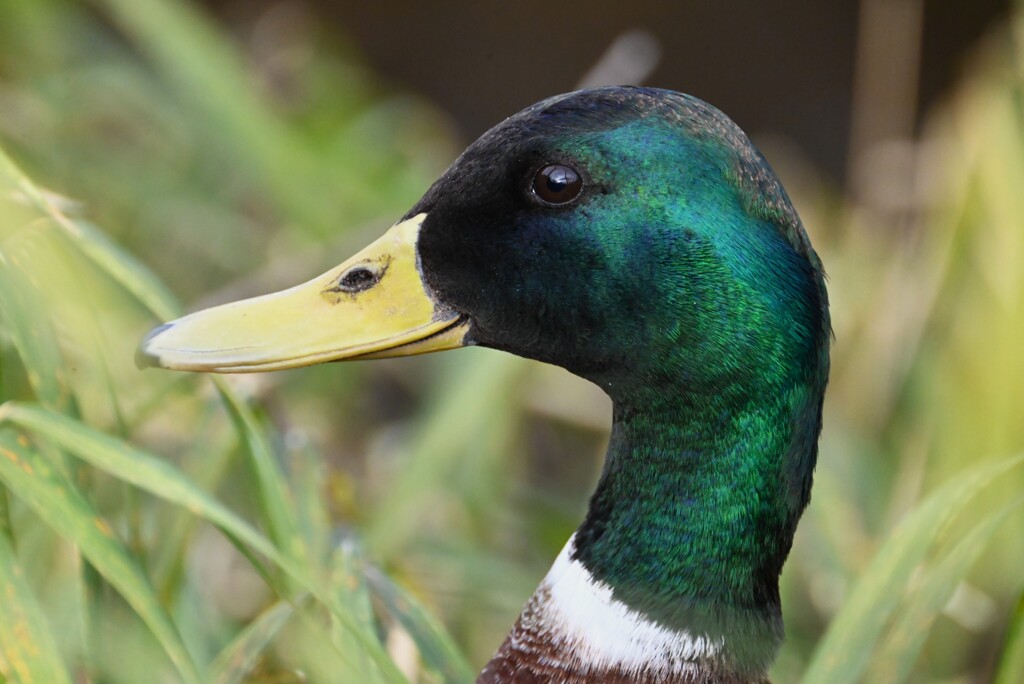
274 495
1011 663
435 646
210 73
113 260
63 508
6 530
135 466
28 653
351 594
905 639
210 458
32 334
845 650
479 390
125 270
161 479
241 655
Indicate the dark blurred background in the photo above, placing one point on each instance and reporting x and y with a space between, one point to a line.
786 67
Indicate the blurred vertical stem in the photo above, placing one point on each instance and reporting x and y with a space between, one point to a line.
6 529
211 75
885 88
28 650
473 398
349 591
1011 662
275 497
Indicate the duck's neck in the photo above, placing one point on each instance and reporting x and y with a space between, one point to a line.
673 575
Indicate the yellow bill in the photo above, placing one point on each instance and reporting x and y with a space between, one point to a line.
374 305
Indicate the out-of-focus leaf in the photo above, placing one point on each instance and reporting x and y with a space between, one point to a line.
65 510
135 466
903 641
349 590
436 647
33 336
6 531
28 653
210 73
161 479
847 647
241 655
23 315
123 268
210 458
113 260
479 391
1011 663
274 496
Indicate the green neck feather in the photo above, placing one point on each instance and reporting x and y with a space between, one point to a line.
717 414
694 516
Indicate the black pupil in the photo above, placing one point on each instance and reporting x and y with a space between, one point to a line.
557 184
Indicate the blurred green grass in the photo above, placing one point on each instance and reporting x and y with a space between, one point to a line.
374 522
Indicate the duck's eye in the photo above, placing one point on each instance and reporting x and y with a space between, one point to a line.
557 184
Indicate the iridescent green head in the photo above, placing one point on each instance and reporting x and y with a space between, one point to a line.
674 262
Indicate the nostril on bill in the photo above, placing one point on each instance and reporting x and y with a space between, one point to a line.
358 279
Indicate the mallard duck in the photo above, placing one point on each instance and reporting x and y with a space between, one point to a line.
635 237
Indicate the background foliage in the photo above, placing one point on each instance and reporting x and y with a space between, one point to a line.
377 522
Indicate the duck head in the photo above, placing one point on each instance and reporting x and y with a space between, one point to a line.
635 237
